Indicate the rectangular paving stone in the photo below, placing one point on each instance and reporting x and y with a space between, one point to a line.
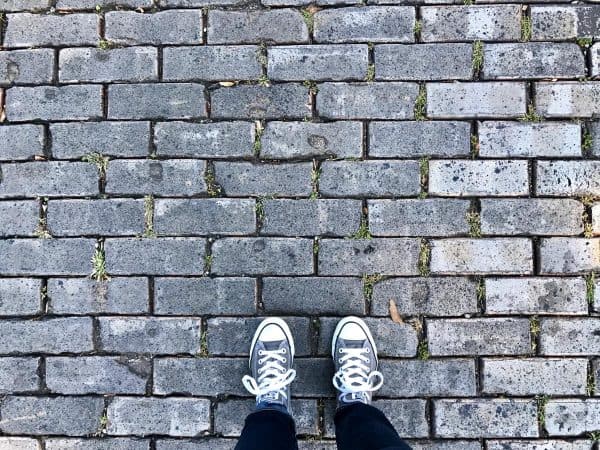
33 66
535 445
569 255
91 4
39 30
572 417
596 219
19 142
566 337
158 100
594 129
560 23
18 375
568 99
22 5
318 62
20 296
175 177
370 178
529 140
490 418
87 296
97 375
315 296
197 444
19 443
423 62
204 296
462 178
310 379
148 416
307 217
161 256
501 99
102 443
98 65
595 53
539 376
445 444
567 178
262 256
394 256
19 217
204 140
418 139
72 102
393 100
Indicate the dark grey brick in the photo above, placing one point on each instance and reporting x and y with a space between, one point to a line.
37 30
19 217
23 5
21 141
565 337
568 255
560 23
26 66
20 296
18 375
314 377
568 99
567 178
97 444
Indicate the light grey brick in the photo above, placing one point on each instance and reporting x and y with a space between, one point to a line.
73 102
469 23
86 296
70 416
91 4
529 140
538 445
198 296
196 444
491 418
21 141
158 100
176 177
262 256
46 256
425 296
97 444
212 63
19 217
26 66
202 3
572 417
164 256
596 218
253 27
318 62
277 101
561 23
562 337
569 255
159 28
423 62
417 139
20 296
282 140
118 64
595 54
393 100
245 178
568 178
445 445
539 376
358 257
97 375
501 99
174 416
18 443
461 178
370 178
22 5
18 375
38 30
568 99
313 296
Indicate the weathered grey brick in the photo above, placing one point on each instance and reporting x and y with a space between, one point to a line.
460 178
535 376
310 381
569 255
26 66
561 23
21 141
535 296
313 296
212 63
445 444
418 217
38 30
19 218
490 418
596 218
425 296
393 100
204 216
538 444
70 416
91 4
23 5
201 3
148 416
563 337
318 62
46 256
73 102
176 177
282 140
478 336
212 296
18 375
196 444
572 417
530 140
97 375
358 257
262 256
594 130
86 296
18 443
245 178
423 62
204 140
360 24
567 178
568 99
98 65
476 100
417 139
103 443
253 27
159 28
277 101
370 178
158 100
20 296
469 23
595 53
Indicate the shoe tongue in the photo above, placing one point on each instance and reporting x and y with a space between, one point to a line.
354 344
271 345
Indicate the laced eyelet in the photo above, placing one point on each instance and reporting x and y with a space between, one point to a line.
260 361
368 350
341 350
367 361
283 360
260 353
340 360
283 351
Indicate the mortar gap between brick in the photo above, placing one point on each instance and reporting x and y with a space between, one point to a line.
260 307
151 295
535 243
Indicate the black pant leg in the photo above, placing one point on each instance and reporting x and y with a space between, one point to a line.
268 429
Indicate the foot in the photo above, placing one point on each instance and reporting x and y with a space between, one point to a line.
355 358
271 360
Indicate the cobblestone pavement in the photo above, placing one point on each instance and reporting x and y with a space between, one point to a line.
172 171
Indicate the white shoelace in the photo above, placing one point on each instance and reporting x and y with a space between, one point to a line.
272 376
353 375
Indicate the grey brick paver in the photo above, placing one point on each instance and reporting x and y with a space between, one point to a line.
26 66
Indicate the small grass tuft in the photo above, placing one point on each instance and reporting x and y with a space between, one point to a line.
542 401
588 227
423 350
587 142
424 176
368 282
311 86
480 292
102 425
100 161
42 229
363 230
531 115
203 345
474 221
261 54
418 28
99 265
149 216
590 287
525 29
370 77
594 436
314 180
588 200
534 330
105 44
208 259
316 246
420 109
477 58
468 2
474 146
213 188
308 15
584 42
258 132
263 80
424 258
590 388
